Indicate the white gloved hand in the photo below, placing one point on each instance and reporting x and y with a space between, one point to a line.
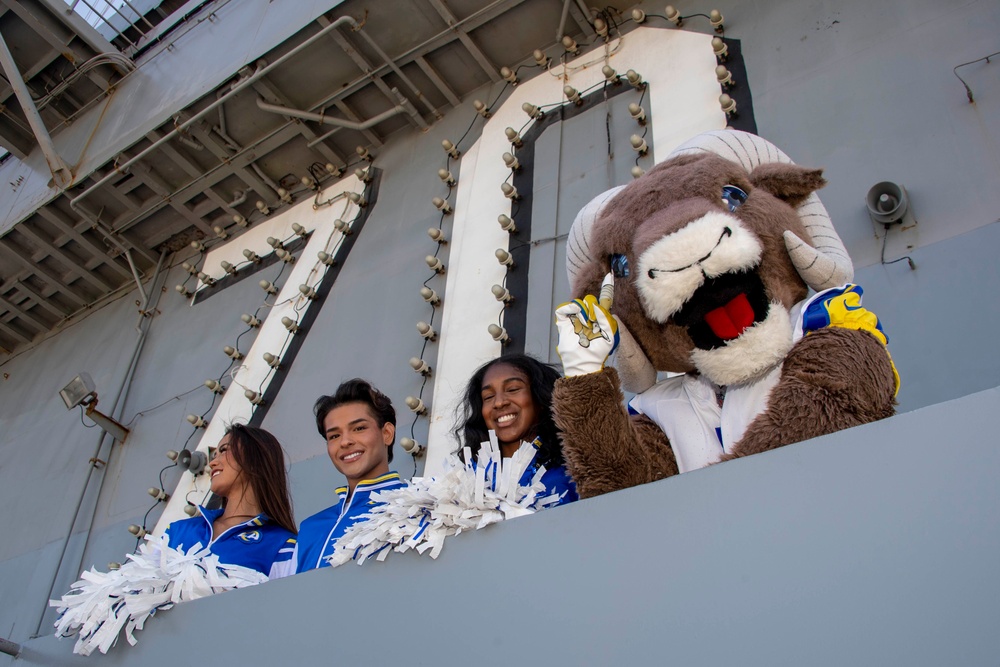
588 334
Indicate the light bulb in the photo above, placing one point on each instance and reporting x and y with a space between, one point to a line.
159 494
232 353
363 175
286 196
420 366
724 77
325 258
215 386
220 232
716 19
190 268
506 224
416 405
601 27
357 199
637 171
228 268
437 235
639 144
136 530
307 181
446 176
450 149
638 16
253 397
610 74
540 58
481 108
719 48
290 324
183 291
501 293
284 256
205 278
342 227
240 220
637 112
198 245
333 170
251 255
271 360
299 230
190 510
728 104
430 296
509 191
513 137
498 333
572 95
250 320
511 161
427 331
308 292
274 243
442 205
268 286
435 264
411 446
197 421
364 153
635 79
570 45
673 15
532 110
504 257
172 454
508 75
262 207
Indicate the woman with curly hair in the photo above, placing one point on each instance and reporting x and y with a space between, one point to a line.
512 396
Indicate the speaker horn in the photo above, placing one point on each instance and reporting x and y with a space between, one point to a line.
887 203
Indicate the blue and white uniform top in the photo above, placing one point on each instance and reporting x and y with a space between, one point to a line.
319 533
259 544
556 480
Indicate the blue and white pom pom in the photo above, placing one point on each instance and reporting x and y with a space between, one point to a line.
468 496
100 604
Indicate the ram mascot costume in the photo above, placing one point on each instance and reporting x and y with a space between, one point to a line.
711 256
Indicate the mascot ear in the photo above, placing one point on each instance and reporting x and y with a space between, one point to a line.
788 182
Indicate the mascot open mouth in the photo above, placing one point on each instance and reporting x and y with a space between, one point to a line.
723 308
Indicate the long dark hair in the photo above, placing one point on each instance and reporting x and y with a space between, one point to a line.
259 455
472 432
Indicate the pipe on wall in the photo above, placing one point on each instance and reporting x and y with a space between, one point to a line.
117 409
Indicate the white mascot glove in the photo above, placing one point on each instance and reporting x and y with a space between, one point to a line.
588 334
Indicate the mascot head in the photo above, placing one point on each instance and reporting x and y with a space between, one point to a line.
709 251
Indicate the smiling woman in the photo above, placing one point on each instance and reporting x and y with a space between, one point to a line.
255 527
512 396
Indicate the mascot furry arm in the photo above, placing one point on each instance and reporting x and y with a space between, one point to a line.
712 253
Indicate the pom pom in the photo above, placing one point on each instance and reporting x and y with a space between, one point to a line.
468 496
100 604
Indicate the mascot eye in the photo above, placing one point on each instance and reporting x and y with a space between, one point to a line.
619 266
733 197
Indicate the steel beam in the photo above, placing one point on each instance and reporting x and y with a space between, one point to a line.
61 173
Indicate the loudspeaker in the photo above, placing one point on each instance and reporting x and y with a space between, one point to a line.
194 461
887 203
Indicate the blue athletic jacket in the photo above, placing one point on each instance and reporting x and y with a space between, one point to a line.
258 544
318 533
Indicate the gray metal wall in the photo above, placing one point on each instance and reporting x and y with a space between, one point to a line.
877 546
863 89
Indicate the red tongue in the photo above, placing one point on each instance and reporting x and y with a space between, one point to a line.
729 321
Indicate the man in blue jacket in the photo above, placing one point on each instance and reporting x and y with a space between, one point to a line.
358 423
